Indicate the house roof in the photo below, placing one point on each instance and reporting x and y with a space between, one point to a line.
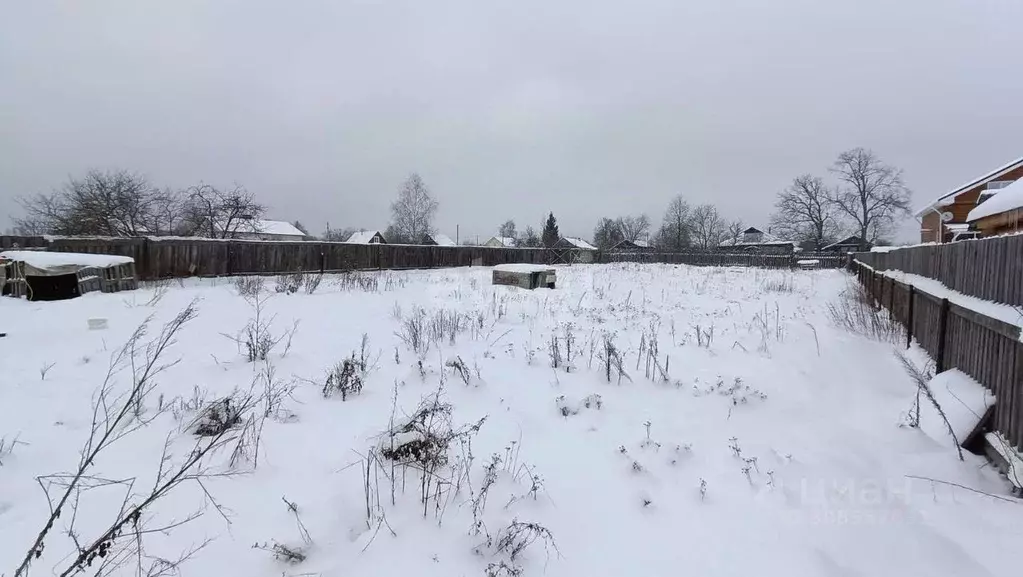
1004 200
578 243
504 240
442 240
362 237
263 226
845 241
993 175
766 239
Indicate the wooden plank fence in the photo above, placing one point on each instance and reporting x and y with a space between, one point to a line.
989 268
157 258
987 349
712 258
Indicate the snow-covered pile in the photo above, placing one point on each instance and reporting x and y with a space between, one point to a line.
638 420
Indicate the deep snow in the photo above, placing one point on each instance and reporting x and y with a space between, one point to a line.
774 447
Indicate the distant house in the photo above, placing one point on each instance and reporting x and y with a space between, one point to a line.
938 219
260 229
438 240
1002 212
500 242
366 237
847 245
632 246
582 251
756 240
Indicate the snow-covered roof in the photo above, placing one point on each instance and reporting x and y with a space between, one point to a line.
263 226
993 175
362 237
504 240
1004 200
766 238
52 263
579 243
523 268
849 240
442 240
641 243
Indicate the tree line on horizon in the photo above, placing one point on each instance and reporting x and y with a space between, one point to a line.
866 197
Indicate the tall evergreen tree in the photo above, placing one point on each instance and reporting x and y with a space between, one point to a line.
551 236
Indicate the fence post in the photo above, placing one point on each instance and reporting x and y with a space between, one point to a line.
909 317
891 296
942 330
323 259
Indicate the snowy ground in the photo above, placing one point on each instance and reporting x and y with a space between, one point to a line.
773 447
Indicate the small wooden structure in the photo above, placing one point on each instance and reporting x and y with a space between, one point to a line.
527 276
42 275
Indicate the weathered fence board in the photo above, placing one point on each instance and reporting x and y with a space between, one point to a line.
990 268
712 258
987 349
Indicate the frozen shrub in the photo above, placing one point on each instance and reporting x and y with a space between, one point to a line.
286 553
414 332
514 539
502 569
248 286
856 312
289 283
217 418
312 283
344 378
785 284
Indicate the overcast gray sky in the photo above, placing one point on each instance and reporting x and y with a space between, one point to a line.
507 109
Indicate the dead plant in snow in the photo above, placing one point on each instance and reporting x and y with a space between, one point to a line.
612 359
115 415
7 447
922 379
289 283
857 313
514 539
257 338
248 286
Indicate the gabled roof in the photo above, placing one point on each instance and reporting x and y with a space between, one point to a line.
578 243
362 237
845 242
263 226
504 240
442 240
641 243
1005 200
993 175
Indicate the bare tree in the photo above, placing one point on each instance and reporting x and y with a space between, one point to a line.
298 224
214 213
734 231
806 211
634 227
107 203
707 226
676 228
607 233
338 234
507 230
412 212
529 238
871 193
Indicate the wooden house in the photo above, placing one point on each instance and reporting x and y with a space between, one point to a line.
756 240
938 219
1001 213
366 237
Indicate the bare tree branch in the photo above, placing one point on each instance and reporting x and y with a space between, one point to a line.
412 212
806 211
872 193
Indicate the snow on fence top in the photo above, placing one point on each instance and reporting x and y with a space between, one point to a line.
523 268
1006 199
60 262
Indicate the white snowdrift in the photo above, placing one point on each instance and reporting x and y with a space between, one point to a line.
962 399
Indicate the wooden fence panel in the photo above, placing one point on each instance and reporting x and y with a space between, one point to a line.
990 268
987 349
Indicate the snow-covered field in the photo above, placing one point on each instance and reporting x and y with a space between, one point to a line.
758 440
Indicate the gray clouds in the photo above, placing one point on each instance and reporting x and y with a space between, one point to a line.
507 109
